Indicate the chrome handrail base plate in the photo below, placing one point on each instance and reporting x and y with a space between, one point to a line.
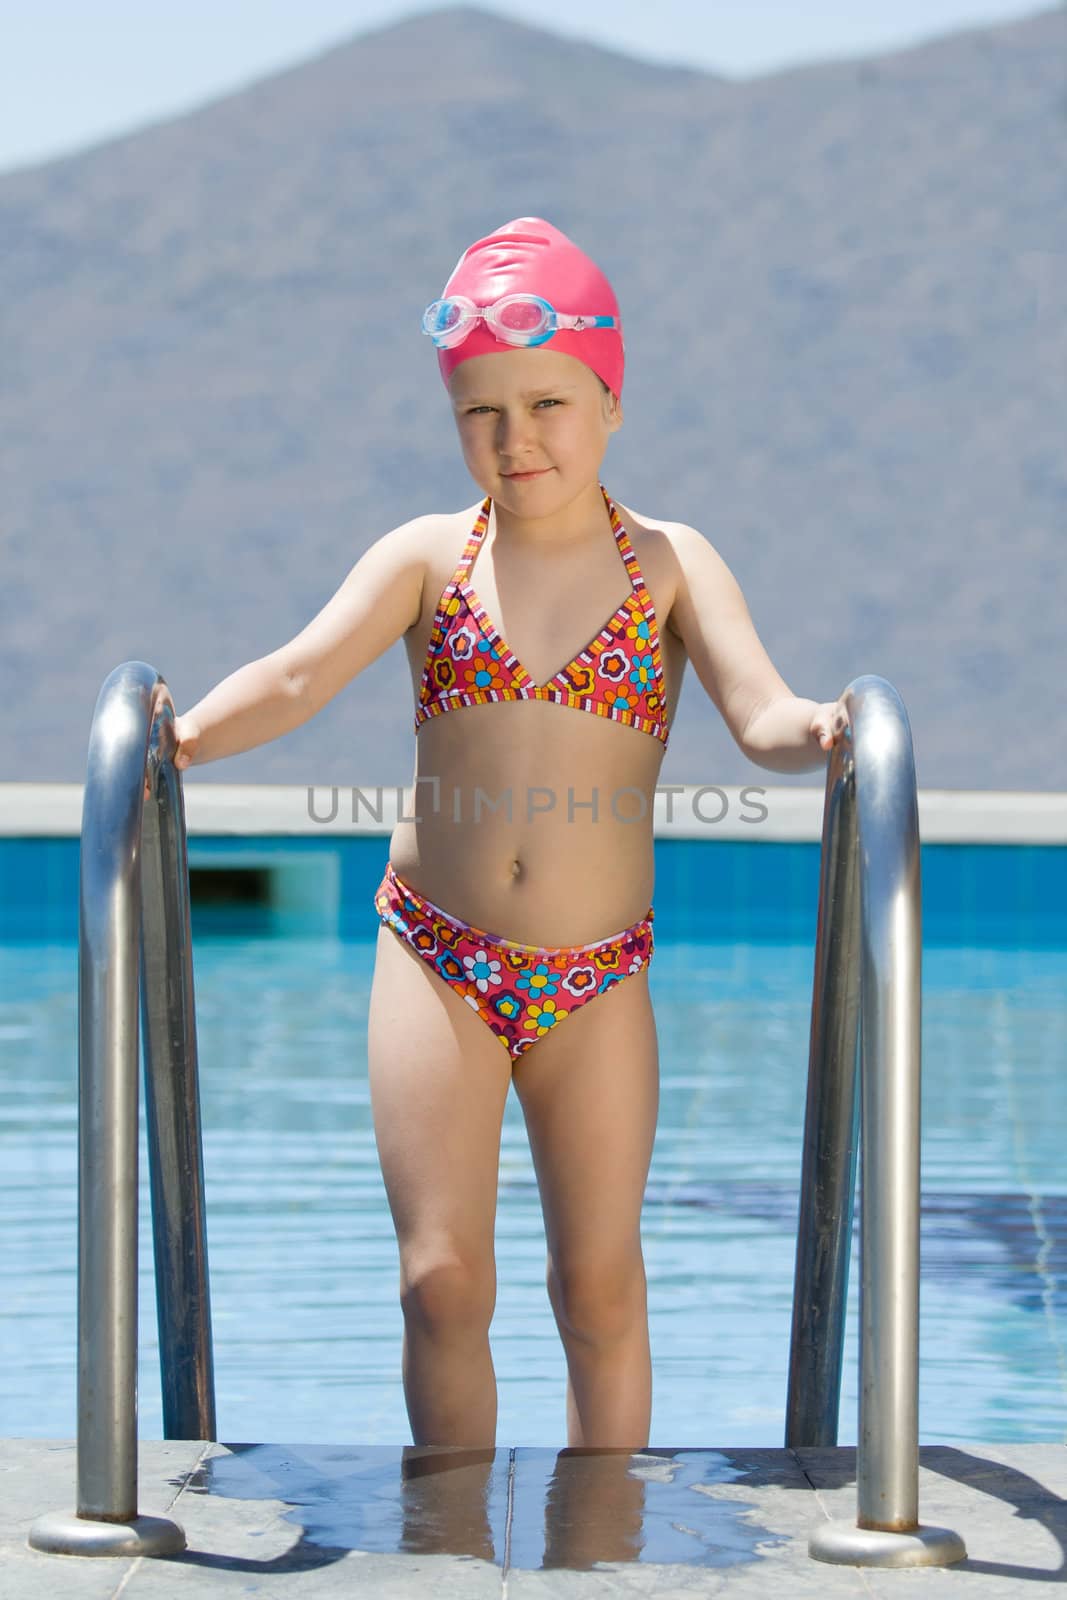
847 1545
62 1533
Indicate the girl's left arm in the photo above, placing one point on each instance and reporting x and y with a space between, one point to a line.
772 726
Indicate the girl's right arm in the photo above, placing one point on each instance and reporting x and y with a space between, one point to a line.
379 600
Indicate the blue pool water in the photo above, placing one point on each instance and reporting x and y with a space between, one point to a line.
303 1257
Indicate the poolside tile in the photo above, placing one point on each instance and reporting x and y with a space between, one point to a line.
283 1521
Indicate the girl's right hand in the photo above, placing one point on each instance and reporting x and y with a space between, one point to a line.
187 742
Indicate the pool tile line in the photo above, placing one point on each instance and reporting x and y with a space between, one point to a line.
860 1573
128 1576
1045 1242
509 1516
184 1479
1046 1245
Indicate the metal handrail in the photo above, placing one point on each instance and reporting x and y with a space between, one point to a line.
134 923
866 1001
831 1125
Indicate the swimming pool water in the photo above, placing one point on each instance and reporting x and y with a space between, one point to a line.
303 1257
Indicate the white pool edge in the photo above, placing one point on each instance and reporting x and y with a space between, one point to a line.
755 811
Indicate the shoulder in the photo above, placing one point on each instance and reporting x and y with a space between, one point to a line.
429 547
685 557
676 540
427 539
687 543
420 533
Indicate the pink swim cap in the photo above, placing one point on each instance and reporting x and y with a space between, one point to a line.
530 256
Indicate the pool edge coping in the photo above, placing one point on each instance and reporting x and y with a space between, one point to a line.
712 812
759 812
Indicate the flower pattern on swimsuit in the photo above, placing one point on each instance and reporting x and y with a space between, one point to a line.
542 1017
483 969
580 680
519 991
619 673
612 665
462 644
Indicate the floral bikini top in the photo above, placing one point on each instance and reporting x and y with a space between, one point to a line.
618 675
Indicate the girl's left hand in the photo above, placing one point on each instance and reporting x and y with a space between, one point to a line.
829 723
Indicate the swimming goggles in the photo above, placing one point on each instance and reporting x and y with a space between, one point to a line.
519 319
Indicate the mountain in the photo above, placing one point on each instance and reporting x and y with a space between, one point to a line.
843 287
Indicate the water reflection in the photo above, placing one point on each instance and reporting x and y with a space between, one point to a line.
594 1509
445 1497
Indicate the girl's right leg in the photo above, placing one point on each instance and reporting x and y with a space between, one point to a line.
439 1082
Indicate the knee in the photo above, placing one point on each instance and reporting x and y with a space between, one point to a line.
599 1302
445 1294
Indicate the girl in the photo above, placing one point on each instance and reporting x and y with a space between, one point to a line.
547 629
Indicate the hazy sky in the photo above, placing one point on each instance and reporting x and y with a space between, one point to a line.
73 72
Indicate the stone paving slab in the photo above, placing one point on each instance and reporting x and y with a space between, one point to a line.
285 1522
38 1476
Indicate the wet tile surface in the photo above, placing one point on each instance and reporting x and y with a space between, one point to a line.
520 1509
381 1499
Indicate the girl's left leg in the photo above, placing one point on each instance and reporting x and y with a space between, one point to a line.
589 1092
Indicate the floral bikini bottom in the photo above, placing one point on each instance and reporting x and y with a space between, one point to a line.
520 991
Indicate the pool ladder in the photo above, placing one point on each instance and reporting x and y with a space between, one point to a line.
134 932
866 1013
134 923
